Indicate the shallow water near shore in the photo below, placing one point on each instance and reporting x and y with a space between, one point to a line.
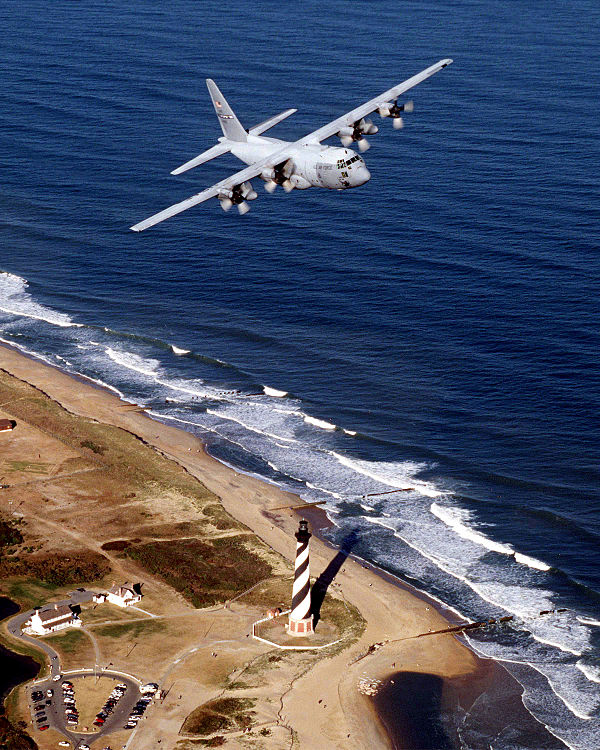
420 353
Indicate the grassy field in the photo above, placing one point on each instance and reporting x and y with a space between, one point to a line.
74 648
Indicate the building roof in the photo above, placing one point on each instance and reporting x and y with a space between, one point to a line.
7 424
61 611
121 591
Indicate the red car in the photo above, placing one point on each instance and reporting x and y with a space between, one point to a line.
44 727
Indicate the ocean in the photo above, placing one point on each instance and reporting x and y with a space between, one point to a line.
435 331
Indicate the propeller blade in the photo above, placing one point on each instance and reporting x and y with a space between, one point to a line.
226 203
243 208
409 106
287 186
346 140
398 123
384 110
270 186
363 145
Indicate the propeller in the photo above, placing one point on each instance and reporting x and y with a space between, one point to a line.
238 196
278 175
354 133
393 109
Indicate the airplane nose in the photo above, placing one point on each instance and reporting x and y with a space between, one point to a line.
361 175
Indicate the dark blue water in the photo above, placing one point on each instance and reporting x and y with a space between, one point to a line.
435 329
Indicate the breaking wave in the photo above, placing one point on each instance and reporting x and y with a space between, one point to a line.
16 300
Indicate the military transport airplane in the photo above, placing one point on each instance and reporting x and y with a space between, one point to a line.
300 164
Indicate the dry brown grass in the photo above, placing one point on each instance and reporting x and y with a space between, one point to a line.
90 695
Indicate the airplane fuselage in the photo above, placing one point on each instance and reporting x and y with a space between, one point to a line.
315 165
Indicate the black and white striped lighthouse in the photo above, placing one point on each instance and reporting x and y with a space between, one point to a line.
301 619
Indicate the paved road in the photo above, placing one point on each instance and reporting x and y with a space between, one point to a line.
15 624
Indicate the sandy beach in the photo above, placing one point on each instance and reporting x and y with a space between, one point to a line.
324 707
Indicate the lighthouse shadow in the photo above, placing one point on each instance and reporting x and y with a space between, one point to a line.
322 583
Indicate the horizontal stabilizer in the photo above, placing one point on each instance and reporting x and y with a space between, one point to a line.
258 129
212 153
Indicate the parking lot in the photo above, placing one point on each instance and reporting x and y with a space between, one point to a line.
114 704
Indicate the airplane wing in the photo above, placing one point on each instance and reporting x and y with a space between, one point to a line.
222 187
365 109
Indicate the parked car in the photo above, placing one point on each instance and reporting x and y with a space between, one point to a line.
44 727
49 692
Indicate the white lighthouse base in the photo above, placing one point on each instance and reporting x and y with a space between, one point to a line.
301 627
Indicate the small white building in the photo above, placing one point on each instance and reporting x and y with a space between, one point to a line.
56 617
123 596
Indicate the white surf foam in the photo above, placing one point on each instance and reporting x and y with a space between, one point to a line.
456 519
591 671
588 621
319 423
150 369
178 351
16 300
397 475
350 432
531 562
223 414
274 392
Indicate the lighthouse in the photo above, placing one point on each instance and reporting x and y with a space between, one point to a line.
301 619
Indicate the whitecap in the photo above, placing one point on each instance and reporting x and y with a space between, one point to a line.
588 620
349 432
319 423
274 392
178 351
532 562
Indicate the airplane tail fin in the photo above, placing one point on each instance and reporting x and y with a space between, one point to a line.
230 125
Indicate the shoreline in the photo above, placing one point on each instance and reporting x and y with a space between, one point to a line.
389 606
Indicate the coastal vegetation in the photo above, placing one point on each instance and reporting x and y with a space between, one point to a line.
13 736
9 534
57 568
219 715
204 572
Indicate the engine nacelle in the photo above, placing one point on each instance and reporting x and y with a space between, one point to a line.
300 182
278 175
393 109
